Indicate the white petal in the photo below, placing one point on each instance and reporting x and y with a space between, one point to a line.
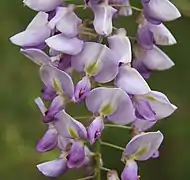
155 59
163 10
143 146
40 20
162 35
131 81
103 14
160 104
120 43
36 55
64 44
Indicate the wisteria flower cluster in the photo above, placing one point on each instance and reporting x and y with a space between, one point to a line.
113 68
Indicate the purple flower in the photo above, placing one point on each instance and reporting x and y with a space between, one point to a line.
154 59
57 80
130 171
149 34
82 89
143 146
157 107
35 34
42 5
53 168
131 81
103 14
157 11
48 141
97 61
76 155
68 127
59 42
66 21
36 55
95 129
112 103
121 45
56 106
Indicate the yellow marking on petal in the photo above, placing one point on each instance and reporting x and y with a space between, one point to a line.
150 98
140 152
106 110
57 86
91 69
73 133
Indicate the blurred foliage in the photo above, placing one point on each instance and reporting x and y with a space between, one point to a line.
21 125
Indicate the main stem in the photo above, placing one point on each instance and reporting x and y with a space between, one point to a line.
98 156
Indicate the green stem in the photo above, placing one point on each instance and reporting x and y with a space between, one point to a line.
117 126
83 117
105 169
112 145
98 156
86 178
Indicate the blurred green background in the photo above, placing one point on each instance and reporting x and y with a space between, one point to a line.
21 124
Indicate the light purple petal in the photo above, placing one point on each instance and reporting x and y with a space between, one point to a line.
68 127
131 81
57 79
82 89
145 37
42 5
154 59
103 14
31 37
130 171
36 55
143 146
162 35
56 106
88 57
111 102
96 60
161 10
144 110
53 168
160 104
142 125
65 44
48 141
141 68
126 10
63 143
69 23
76 155
48 94
121 45
40 20
95 129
